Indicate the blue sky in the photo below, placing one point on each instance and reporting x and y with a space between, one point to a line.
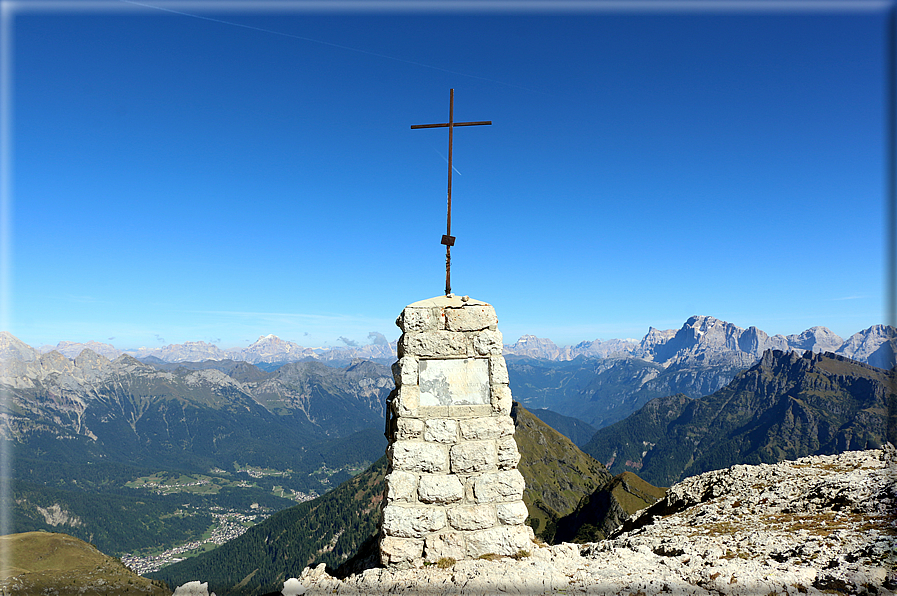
216 172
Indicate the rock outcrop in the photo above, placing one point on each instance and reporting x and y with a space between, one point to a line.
820 524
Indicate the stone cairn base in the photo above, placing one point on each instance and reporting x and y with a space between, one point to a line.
452 486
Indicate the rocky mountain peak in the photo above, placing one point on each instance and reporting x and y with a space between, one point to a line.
12 348
128 363
71 349
88 359
771 358
700 337
876 345
536 347
817 339
56 362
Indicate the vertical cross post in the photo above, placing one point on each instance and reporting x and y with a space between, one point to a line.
448 240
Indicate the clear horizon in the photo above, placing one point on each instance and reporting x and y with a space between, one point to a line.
216 172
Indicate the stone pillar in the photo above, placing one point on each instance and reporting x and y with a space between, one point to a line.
452 485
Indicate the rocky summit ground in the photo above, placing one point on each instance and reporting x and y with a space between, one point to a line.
821 524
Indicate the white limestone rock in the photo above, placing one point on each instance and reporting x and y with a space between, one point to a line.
506 485
409 428
441 430
501 400
408 398
435 344
472 517
401 486
412 522
508 454
444 545
488 342
473 456
293 587
471 318
394 550
498 370
418 319
404 371
512 514
194 588
441 488
417 456
486 427
502 540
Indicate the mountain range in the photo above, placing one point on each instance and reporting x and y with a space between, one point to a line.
193 416
702 357
700 339
64 414
598 382
710 341
785 407
266 349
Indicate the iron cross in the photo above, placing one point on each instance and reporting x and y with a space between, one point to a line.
448 239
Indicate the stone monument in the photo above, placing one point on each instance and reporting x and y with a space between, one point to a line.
452 486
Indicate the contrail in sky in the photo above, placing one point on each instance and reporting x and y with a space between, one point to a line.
326 43
446 161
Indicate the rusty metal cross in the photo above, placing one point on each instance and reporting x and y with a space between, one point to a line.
448 239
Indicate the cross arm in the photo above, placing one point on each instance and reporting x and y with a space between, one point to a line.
445 124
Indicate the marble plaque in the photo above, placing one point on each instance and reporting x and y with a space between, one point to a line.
454 382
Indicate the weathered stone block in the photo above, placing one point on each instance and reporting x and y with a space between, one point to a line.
439 488
394 551
445 544
501 400
475 456
503 540
434 411
441 430
506 485
407 400
470 318
404 371
412 522
401 486
415 456
418 319
498 370
508 455
477 410
487 342
435 344
409 428
487 427
472 517
512 514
